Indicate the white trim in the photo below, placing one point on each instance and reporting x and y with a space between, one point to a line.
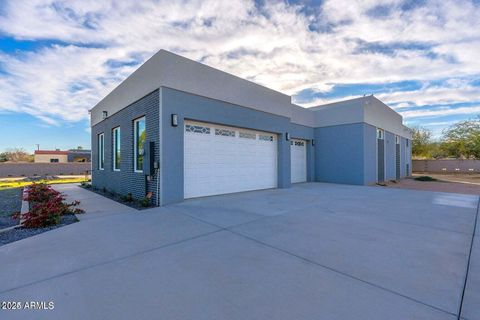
101 151
114 149
135 169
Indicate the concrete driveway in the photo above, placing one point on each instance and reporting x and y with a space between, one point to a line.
315 251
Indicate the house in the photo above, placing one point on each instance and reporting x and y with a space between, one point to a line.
58 156
179 129
50 156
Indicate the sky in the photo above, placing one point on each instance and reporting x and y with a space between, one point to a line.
58 58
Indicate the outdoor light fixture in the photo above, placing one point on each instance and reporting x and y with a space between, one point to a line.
313 142
174 120
104 114
287 136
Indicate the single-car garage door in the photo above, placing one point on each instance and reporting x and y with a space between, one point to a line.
220 159
298 160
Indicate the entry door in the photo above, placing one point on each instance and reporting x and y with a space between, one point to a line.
298 160
220 159
380 155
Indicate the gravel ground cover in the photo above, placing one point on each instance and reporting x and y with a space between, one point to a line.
10 202
20 233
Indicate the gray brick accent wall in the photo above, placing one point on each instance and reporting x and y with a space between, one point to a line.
126 180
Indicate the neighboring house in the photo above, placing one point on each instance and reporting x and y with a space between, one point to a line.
179 129
79 155
58 156
50 156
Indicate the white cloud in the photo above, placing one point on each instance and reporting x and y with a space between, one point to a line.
273 45
441 111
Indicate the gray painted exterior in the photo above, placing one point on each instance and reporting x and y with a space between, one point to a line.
193 107
342 153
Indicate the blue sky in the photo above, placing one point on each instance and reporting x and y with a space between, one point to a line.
58 58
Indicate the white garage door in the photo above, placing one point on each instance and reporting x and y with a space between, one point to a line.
298 160
221 159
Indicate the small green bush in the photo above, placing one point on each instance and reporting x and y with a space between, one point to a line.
85 185
144 202
127 198
425 178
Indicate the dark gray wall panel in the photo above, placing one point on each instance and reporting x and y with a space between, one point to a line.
389 156
380 160
126 180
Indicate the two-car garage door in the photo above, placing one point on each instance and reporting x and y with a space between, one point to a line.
220 159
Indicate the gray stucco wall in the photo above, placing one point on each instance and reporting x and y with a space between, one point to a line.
390 153
126 180
340 154
193 107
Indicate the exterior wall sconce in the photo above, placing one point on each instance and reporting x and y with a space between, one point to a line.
287 136
104 115
313 142
174 120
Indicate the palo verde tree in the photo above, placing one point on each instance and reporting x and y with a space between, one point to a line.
421 142
462 140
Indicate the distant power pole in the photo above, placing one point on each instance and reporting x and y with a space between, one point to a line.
38 146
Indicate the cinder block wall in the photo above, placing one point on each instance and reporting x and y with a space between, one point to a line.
126 180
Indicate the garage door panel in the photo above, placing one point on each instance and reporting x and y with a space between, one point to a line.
298 160
217 164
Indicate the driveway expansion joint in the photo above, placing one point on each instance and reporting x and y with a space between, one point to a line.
468 261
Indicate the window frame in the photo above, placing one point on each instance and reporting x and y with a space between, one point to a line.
135 143
101 151
380 134
116 141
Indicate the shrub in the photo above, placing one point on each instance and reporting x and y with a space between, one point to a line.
145 202
85 184
425 178
127 198
46 206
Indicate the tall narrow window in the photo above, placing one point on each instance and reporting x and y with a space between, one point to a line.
116 149
101 151
139 142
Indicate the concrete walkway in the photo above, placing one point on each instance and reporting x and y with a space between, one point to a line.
315 251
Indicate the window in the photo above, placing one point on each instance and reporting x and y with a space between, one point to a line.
53 160
139 143
116 149
265 137
101 151
197 129
380 133
225 132
247 135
